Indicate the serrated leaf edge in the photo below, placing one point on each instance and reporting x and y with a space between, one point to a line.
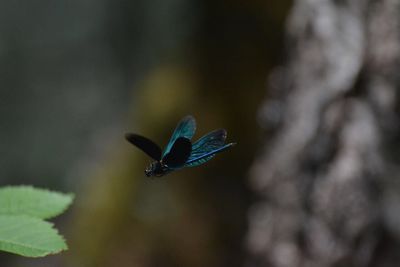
24 246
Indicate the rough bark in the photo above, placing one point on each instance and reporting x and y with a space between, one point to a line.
326 178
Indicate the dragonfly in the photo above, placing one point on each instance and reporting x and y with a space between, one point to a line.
180 152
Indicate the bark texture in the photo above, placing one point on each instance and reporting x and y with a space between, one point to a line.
326 180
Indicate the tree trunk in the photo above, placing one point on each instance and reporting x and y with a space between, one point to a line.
326 180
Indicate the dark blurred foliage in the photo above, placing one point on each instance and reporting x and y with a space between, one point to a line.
76 75
67 73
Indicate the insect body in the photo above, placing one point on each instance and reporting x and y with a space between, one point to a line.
180 152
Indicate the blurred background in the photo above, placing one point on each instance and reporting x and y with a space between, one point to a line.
77 75
308 90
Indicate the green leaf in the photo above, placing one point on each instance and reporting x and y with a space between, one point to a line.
28 236
26 200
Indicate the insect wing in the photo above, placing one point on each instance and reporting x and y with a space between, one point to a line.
192 162
178 154
144 144
185 128
206 147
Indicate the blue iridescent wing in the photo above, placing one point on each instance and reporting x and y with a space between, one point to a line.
206 147
206 156
185 128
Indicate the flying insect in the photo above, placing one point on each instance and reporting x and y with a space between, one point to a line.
180 152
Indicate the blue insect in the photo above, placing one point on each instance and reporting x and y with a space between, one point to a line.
180 152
